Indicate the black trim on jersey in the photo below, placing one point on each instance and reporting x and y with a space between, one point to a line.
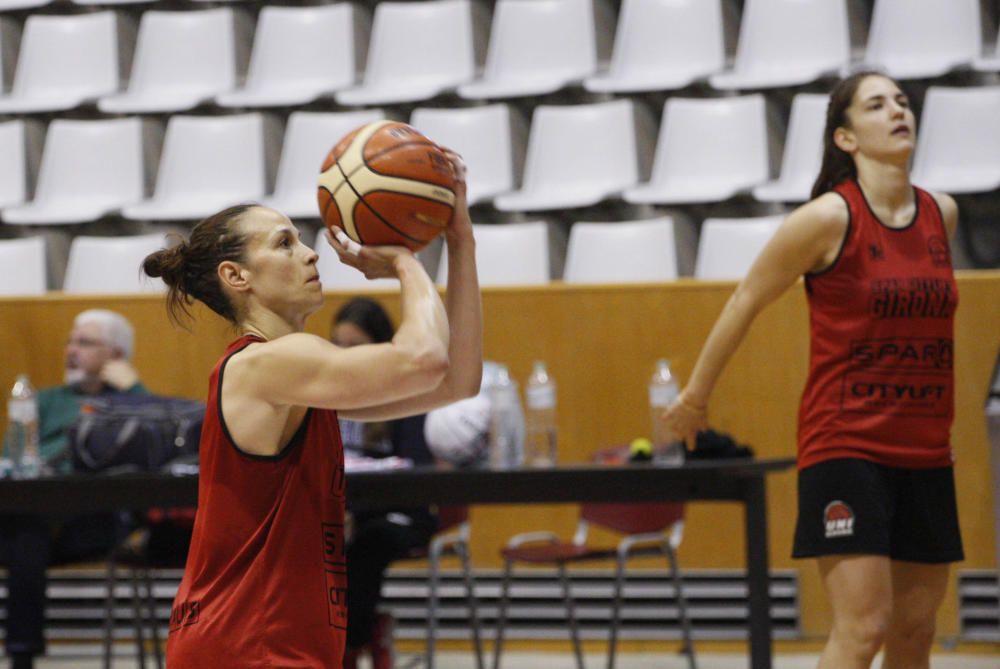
843 242
296 439
916 210
944 228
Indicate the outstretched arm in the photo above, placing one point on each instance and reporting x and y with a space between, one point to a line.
808 240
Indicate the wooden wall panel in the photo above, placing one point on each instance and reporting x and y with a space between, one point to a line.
600 344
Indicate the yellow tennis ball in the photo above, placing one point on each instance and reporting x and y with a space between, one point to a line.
641 446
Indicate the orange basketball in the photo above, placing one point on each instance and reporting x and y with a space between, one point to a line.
385 183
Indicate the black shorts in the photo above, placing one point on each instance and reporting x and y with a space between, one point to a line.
853 506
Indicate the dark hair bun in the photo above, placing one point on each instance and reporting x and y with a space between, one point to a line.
167 264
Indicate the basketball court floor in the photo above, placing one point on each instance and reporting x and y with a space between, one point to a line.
523 660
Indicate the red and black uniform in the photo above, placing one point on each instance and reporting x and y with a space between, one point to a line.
880 389
266 579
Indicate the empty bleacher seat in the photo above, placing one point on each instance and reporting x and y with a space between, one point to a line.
182 59
309 136
64 61
8 5
111 265
728 246
578 155
89 169
536 48
788 43
483 137
663 45
13 164
299 54
508 254
803 153
958 143
417 50
621 252
708 150
208 163
915 40
22 266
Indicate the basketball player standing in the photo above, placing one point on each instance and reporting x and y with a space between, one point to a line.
876 492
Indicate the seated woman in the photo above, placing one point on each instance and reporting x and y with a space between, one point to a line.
379 537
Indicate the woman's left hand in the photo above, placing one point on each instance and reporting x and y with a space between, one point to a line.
460 224
375 262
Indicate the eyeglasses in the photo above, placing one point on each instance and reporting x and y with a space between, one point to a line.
85 342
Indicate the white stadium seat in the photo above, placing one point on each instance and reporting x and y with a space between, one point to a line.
208 163
182 59
417 51
917 40
64 61
728 246
708 150
112 265
803 153
958 142
13 165
663 45
621 252
22 266
89 169
788 43
578 155
508 254
536 48
299 54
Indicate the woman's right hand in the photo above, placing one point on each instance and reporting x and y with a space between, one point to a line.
375 262
686 418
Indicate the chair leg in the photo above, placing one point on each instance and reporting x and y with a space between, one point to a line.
574 628
154 627
140 642
688 647
109 615
616 607
432 604
470 592
502 612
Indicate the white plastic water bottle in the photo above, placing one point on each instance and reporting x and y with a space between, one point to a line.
506 438
540 392
663 390
21 441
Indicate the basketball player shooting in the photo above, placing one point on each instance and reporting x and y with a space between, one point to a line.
265 580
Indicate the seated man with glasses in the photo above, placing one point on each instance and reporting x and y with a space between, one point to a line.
98 352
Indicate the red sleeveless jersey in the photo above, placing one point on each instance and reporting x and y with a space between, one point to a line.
881 318
266 580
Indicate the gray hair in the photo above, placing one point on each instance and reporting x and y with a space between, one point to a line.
117 330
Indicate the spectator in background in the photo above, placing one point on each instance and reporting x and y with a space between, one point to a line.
98 354
378 537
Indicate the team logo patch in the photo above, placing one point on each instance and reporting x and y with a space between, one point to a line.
838 518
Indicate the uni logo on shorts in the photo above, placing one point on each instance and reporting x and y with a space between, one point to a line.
838 519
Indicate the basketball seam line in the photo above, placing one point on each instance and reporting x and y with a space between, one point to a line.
361 199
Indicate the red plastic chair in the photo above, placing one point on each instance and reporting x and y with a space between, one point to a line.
649 529
451 539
